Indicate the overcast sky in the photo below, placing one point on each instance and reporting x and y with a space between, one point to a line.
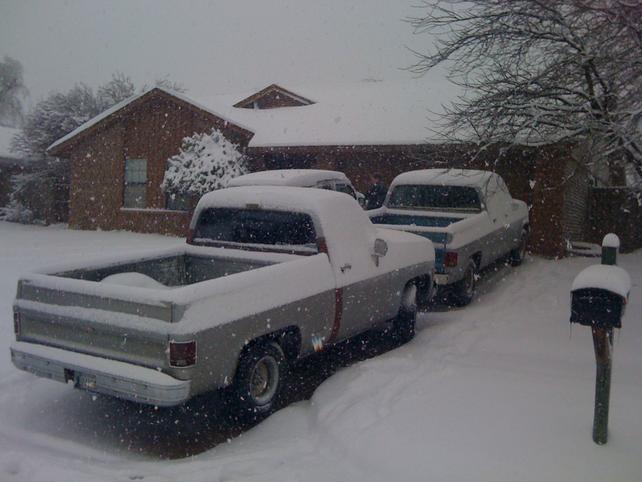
212 47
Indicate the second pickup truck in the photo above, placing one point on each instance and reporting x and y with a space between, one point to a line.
469 216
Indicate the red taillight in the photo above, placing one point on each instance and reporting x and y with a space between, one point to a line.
182 353
190 235
450 259
16 322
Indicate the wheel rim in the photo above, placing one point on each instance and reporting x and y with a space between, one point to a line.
264 380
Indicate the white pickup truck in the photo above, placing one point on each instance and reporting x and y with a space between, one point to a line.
469 216
314 178
269 275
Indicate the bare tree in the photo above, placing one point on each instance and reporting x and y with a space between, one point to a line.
52 118
119 88
542 71
167 83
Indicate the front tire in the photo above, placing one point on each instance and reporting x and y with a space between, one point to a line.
464 289
403 326
518 254
259 381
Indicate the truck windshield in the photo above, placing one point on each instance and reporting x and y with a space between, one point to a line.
256 226
464 198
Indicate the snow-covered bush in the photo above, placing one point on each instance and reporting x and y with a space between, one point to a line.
205 162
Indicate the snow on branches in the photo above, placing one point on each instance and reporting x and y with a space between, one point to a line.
206 162
539 72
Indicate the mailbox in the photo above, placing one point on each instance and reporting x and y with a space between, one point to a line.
599 295
597 307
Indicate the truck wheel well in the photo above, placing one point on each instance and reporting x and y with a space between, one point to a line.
424 291
288 338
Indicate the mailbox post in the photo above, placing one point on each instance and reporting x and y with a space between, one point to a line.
598 299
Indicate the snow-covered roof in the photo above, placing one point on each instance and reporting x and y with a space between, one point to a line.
272 89
363 113
115 108
606 277
286 177
450 177
6 135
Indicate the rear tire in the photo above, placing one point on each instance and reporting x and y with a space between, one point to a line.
464 289
518 254
259 381
403 326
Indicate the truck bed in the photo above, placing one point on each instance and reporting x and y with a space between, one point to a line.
70 307
171 271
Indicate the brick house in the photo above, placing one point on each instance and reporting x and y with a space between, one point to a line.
118 159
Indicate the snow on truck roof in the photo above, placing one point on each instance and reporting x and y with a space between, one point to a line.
287 177
446 177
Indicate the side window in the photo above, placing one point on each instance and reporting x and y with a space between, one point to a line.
135 183
329 185
346 188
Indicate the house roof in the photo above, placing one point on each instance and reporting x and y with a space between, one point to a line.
128 103
287 177
364 113
249 101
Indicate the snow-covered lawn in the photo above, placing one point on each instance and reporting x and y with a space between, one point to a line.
499 391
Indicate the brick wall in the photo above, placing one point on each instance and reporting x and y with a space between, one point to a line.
154 132
532 175
615 210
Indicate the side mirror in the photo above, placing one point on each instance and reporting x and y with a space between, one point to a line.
379 250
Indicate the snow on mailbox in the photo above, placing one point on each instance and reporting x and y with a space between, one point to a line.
599 296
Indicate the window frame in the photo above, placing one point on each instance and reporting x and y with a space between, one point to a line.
135 184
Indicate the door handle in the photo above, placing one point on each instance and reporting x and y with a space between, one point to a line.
345 267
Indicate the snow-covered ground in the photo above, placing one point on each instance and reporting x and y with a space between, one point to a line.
499 391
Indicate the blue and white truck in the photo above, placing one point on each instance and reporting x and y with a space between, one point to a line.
470 217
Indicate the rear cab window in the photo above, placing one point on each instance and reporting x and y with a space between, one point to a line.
268 230
436 197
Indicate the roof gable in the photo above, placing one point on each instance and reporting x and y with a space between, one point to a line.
127 106
273 96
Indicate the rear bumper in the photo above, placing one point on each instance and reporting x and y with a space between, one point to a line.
101 375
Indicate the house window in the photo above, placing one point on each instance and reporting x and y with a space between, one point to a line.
135 183
178 201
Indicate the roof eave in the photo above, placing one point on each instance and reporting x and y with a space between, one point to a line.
60 147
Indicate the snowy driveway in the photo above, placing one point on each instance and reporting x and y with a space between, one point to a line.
498 391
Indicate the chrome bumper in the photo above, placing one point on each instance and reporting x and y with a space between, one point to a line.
101 375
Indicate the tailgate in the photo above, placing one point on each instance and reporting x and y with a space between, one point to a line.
111 328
